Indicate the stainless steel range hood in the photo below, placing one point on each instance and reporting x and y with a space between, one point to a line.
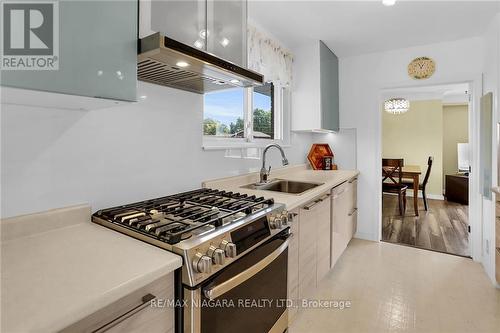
164 61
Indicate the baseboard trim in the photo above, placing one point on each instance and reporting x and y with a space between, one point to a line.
365 236
409 193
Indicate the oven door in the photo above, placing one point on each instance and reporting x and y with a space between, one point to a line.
247 296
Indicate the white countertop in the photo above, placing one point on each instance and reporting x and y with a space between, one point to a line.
329 179
56 277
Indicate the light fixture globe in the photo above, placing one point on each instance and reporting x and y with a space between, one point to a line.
389 2
397 105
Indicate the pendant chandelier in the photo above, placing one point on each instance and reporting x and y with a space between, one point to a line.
397 105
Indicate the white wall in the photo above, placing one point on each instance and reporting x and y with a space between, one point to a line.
491 83
53 157
361 80
343 145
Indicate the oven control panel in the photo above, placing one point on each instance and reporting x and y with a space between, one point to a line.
220 249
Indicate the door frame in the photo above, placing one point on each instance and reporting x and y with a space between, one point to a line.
475 199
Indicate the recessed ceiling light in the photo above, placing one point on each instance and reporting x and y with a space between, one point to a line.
224 42
198 44
235 81
389 2
182 64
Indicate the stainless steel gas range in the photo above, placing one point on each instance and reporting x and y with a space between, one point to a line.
234 249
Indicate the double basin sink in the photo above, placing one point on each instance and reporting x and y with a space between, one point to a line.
283 186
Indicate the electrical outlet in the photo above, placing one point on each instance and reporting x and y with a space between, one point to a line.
487 246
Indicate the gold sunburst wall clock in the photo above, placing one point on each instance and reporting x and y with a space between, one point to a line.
421 68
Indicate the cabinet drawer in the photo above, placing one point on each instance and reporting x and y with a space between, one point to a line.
134 313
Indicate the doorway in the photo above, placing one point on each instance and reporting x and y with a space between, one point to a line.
431 138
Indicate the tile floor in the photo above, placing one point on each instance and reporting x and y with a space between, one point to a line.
395 288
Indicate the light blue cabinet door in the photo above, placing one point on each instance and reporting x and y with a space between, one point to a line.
329 77
97 52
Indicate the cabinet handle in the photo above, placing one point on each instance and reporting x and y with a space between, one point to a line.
353 180
146 300
353 212
317 201
325 197
310 206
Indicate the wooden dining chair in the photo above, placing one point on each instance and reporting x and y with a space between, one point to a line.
392 170
422 186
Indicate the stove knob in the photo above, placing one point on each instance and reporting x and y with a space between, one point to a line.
219 257
284 217
229 248
277 223
202 263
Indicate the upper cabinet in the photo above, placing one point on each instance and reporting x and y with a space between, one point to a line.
315 97
97 51
217 27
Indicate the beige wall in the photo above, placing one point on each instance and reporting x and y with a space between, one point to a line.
455 130
416 135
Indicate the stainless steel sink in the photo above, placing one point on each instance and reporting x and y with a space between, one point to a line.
284 186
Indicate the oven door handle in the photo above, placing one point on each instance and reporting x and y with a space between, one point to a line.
238 279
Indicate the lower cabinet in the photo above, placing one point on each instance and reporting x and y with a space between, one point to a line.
293 263
344 217
321 230
134 312
307 250
323 237
314 244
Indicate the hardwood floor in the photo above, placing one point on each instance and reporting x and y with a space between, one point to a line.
442 228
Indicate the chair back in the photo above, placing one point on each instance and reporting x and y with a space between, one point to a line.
392 169
428 172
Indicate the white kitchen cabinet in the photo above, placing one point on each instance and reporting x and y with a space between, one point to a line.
321 230
314 245
134 312
315 95
323 234
344 217
307 251
293 263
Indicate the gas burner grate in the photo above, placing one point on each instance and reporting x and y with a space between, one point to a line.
177 217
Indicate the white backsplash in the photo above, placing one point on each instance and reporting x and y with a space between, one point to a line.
54 158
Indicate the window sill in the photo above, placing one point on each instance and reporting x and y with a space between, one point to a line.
225 145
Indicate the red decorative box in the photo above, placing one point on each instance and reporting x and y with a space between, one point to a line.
316 154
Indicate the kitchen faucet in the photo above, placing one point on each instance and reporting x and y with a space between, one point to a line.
264 173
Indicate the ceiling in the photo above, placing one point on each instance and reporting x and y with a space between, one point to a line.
448 93
359 27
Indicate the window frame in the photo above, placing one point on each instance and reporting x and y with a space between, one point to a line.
273 111
280 117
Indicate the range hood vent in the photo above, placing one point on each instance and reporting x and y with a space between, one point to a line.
164 61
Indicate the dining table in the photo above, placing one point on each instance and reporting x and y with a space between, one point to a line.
412 172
